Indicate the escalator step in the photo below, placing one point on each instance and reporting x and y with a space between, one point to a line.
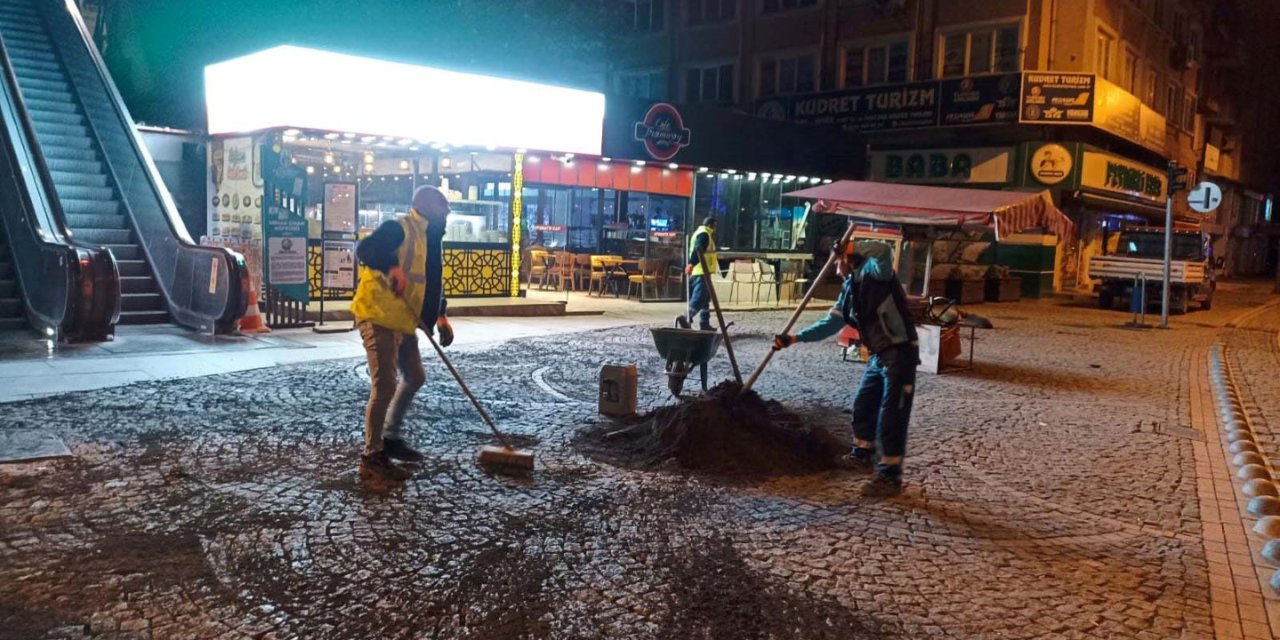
144 317
71 142
90 221
26 53
68 153
128 256
87 179
6 271
40 104
83 192
44 127
12 324
71 119
131 268
45 75
8 289
44 85
10 307
135 284
141 302
90 207
43 94
74 166
104 236
36 64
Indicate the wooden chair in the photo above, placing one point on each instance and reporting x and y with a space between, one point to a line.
649 274
537 267
581 271
767 278
560 270
597 275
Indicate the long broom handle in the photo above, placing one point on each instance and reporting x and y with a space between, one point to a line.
836 250
715 301
467 391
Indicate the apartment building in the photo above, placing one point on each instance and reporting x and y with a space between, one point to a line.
1088 99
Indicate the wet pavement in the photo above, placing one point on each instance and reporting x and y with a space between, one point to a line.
1051 493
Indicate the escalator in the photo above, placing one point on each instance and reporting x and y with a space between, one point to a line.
105 183
12 315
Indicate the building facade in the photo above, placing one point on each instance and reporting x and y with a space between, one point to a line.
1088 99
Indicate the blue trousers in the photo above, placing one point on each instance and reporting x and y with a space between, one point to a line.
699 302
882 406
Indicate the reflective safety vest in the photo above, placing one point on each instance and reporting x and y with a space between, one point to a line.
712 261
377 303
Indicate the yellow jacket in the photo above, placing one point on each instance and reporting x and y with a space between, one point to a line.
377 303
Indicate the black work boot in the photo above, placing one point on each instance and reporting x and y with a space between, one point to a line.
398 449
887 483
682 322
858 461
378 469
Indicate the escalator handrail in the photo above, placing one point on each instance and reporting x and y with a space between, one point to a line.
80 318
237 294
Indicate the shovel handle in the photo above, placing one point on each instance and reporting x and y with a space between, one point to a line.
715 301
836 251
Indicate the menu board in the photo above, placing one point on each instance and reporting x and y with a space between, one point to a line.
340 207
340 264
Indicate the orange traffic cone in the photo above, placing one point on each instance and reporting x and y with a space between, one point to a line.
252 320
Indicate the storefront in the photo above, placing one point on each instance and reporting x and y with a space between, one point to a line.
299 159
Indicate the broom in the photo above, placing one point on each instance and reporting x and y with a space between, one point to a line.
503 456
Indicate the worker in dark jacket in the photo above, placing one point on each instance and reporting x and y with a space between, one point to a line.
704 240
400 290
873 302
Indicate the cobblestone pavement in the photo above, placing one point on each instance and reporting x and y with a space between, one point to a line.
1051 494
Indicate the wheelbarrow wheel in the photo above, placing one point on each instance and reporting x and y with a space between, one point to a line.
676 374
702 369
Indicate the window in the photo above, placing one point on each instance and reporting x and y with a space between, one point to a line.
1104 47
700 12
980 50
777 6
640 83
1173 102
788 74
1189 112
1129 71
648 15
713 83
1149 91
875 63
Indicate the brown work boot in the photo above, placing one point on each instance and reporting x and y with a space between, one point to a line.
855 463
883 485
377 470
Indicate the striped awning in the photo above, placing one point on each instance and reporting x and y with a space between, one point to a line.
1005 212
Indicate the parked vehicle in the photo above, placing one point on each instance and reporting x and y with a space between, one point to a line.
1140 257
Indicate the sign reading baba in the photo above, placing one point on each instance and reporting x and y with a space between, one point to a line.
942 166
663 132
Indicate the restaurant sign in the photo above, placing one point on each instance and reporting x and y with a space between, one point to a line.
1105 172
942 166
662 132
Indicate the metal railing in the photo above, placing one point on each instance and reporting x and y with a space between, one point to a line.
70 289
206 288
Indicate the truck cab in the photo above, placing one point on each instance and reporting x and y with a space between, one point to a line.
1137 268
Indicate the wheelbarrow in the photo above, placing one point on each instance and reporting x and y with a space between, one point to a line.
684 348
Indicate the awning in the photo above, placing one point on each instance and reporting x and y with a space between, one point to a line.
1006 212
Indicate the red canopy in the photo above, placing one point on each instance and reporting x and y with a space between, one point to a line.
1006 212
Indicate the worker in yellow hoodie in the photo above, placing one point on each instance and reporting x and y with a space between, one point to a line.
400 290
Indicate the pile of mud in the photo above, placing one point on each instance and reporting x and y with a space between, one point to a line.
724 432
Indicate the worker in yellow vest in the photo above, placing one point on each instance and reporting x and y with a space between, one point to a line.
703 238
401 288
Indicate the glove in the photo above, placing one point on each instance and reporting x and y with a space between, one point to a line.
398 280
445 331
783 340
688 269
857 259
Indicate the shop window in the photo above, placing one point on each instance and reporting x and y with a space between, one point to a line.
980 50
778 6
643 83
753 214
703 12
1104 46
648 16
871 64
712 83
786 75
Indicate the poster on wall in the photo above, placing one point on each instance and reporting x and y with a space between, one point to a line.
285 260
235 187
340 264
1057 98
340 207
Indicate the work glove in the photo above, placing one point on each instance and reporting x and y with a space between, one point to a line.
398 280
688 269
783 340
442 324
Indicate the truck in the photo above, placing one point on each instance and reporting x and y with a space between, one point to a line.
1139 257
